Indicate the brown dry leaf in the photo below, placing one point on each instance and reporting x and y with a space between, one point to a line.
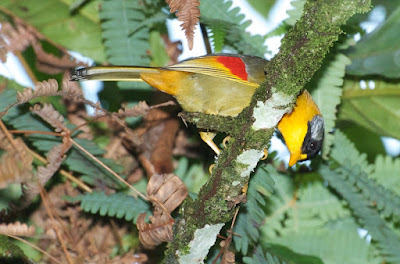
138 258
16 38
51 64
44 88
228 257
188 13
51 116
160 229
17 229
158 137
168 190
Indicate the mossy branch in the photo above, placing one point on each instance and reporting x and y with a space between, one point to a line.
302 52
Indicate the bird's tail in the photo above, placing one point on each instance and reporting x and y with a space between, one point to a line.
111 73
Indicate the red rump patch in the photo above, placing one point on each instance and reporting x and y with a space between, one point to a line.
235 65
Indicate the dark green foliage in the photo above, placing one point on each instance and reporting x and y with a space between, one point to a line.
378 52
119 205
276 254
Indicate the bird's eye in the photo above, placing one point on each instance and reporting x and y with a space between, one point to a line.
313 146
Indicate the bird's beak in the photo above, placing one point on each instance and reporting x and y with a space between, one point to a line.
295 157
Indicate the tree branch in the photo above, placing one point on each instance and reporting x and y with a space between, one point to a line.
301 54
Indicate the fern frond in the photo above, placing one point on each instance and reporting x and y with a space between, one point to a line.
344 152
277 254
378 196
218 35
51 116
219 12
125 37
365 197
119 205
188 13
296 12
388 241
259 257
328 81
315 201
386 170
261 185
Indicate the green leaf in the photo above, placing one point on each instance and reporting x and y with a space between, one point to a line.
379 51
388 241
250 217
220 13
376 109
296 12
326 91
119 205
126 35
79 32
278 254
386 173
262 6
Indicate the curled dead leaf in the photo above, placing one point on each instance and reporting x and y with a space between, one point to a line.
158 231
166 189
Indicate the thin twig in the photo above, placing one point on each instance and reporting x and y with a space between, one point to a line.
64 173
35 247
109 170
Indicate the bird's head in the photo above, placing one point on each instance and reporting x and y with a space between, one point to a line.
303 129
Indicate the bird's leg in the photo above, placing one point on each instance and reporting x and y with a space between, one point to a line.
208 138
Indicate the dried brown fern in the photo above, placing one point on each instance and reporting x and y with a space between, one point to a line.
44 88
51 64
54 157
16 163
51 116
16 38
188 13
17 229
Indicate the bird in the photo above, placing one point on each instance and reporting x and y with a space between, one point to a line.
222 84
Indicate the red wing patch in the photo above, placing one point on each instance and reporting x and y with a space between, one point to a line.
235 65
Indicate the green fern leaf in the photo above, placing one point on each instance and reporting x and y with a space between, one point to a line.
316 201
219 12
345 184
386 172
344 151
125 32
334 243
387 202
119 205
296 12
261 185
278 254
218 35
326 91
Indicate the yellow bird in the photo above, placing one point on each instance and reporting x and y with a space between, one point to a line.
222 85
